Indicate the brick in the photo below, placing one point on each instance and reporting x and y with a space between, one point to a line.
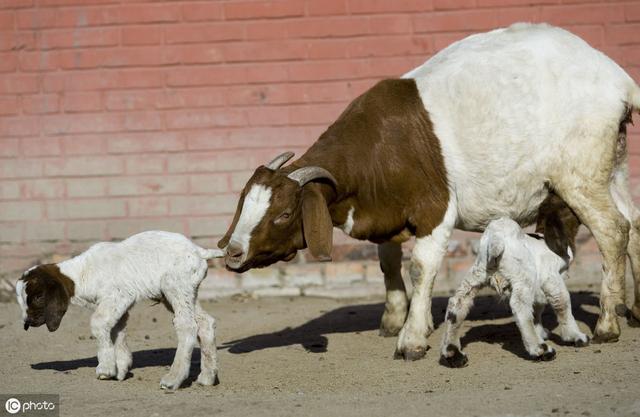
83 145
112 58
580 14
11 232
199 76
208 184
202 11
86 209
44 231
121 229
86 230
382 6
455 21
135 186
344 273
208 226
41 104
204 118
19 126
453 4
85 16
260 278
146 142
326 7
141 35
145 164
42 188
9 190
622 34
218 278
84 165
339 27
36 19
303 275
41 146
79 38
86 187
9 106
194 54
7 20
202 205
632 12
82 102
21 210
211 32
263 9
498 3
8 62
148 206
9 147
148 13
382 24
18 84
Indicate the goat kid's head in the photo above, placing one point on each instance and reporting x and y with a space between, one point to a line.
278 214
43 293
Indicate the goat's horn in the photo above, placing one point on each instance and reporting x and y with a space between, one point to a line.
280 160
305 174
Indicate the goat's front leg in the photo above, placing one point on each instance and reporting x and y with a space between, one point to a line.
123 354
521 303
457 310
184 321
396 303
207 338
108 313
427 256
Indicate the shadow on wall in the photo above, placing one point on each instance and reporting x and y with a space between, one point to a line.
359 318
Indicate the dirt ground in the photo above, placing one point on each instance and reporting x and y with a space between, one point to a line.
310 356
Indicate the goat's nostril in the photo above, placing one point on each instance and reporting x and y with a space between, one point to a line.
234 251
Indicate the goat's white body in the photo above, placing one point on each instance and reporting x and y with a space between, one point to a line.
111 277
510 107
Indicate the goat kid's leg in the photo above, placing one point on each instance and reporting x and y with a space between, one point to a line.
521 303
208 351
458 308
597 211
123 354
396 303
558 296
184 321
538 309
103 320
427 256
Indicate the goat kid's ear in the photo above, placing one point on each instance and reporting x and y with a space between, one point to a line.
224 242
57 304
316 223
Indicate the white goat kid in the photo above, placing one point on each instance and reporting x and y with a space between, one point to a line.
524 269
110 278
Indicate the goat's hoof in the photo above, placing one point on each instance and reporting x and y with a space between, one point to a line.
207 379
105 377
582 343
606 337
454 358
169 383
548 355
105 372
411 354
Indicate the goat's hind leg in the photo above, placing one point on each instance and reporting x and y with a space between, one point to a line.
458 308
396 303
208 351
558 296
521 303
538 309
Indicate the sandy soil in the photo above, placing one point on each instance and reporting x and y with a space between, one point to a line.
307 356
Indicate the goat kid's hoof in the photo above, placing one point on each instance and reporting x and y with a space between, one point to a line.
454 358
549 354
105 377
105 372
582 343
605 338
170 384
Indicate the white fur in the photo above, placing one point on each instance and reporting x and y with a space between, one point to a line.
347 227
256 204
524 269
110 277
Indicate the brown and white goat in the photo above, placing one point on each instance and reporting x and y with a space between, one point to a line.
492 126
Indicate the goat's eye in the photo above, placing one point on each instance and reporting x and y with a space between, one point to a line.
283 218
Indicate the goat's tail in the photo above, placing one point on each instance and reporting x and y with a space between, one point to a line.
210 253
495 249
635 98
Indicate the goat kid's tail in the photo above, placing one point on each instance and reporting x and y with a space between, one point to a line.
495 249
210 253
635 98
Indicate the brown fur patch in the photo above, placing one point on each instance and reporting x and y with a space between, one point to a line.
388 165
48 293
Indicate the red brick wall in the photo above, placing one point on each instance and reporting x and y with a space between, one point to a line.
118 116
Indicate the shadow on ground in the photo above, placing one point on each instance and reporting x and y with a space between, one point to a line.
366 317
353 319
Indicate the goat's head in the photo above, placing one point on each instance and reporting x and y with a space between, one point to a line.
43 294
278 214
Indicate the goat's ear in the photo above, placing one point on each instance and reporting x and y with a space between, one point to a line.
222 243
57 300
316 222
